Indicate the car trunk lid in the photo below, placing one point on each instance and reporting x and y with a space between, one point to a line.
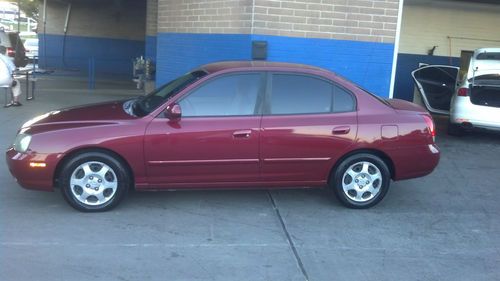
485 90
403 106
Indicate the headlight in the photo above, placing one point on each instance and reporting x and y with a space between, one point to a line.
22 142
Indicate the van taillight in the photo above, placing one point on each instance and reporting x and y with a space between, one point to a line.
11 52
430 126
463 92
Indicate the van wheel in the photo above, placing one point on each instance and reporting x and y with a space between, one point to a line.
361 181
94 182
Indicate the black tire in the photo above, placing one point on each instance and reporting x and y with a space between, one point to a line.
455 130
117 175
380 184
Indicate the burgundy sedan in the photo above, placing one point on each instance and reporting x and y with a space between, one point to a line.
229 125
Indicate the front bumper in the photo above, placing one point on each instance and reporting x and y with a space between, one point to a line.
37 178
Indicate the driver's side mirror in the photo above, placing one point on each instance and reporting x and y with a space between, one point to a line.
173 112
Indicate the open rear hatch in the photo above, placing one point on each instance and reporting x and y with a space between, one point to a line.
484 77
485 90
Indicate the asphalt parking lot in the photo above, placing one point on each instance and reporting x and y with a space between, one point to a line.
441 227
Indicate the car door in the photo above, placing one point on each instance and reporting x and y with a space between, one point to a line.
436 85
308 123
216 140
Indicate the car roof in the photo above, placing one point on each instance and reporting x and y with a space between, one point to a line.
226 65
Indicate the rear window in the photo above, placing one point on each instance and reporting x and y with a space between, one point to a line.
304 94
488 56
297 94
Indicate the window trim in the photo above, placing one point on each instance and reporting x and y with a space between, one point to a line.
258 109
268 94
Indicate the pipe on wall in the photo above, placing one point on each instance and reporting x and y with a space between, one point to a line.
66 23
45 32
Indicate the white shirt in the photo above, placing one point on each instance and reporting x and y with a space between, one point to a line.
6 69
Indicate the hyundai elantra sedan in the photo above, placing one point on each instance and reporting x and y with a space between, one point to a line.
229 125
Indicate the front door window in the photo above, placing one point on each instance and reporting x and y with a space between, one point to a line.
233 95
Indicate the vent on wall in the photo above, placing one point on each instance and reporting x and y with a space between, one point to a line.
259 50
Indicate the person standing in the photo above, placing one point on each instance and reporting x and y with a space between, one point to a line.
8 78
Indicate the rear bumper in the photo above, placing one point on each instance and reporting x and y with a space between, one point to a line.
414 162
470 124
32 177
463 112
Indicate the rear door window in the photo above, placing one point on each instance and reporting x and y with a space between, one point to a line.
304 94
343 101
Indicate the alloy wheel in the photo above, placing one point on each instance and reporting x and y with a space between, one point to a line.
93 183
362 181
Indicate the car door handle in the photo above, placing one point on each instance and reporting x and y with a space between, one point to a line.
342 130
242 134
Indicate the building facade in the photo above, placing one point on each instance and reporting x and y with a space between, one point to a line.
108 33
355 38
374 43
441 32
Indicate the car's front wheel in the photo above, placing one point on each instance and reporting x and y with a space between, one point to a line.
94 181
361 181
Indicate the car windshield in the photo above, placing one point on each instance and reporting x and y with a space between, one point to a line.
146 104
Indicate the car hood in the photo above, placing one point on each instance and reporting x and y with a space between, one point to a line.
101 113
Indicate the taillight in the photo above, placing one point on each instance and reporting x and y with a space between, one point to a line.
463 92
11 52
430 126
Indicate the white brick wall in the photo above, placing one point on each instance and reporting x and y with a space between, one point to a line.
363 20
152 17
425 26
205 16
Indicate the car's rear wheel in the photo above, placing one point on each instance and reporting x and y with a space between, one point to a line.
94 181
361 181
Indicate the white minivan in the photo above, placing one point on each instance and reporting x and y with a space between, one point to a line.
472 100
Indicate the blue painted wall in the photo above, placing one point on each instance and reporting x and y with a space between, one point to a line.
178 53
112 56
151 47
404 85
365 63
368 64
